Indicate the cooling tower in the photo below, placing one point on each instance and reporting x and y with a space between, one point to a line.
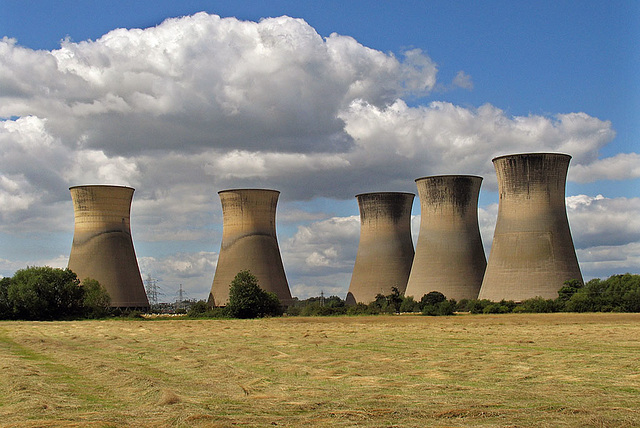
249 243
102 247
385 251
449 253
532 252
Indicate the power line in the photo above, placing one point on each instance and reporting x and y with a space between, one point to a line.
153 290
180 298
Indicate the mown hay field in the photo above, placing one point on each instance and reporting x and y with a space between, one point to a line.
537 370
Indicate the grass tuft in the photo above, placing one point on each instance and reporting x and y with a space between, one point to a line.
168 397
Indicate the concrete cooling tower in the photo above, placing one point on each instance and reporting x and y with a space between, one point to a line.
385 251
249 243
532 252
102 247
449 253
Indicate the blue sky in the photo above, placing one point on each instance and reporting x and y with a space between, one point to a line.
556 76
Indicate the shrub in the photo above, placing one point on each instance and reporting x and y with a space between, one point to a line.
432 298
358 309
445 307
96 301
317 309
294 310
569 288
317 306
201 309
134 314
198 309
463 305
332 301
476 306
248 300
6 308
388 304
618 293
394 300
379 305
631 301
581 302
537 305
502 307
409 305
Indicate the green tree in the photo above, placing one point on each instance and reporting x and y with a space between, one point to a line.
618 293
248 300
432 298
358 309
537 305
409 305
394 300
568 289
45 293
476 306
581 302
96 300
463 305
435 303
379 305
316 309
6 307
318 306
445 307
501 307
201 309
198 309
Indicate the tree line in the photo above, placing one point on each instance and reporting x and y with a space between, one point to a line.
45 293
618 293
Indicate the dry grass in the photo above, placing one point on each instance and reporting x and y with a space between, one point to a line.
507 370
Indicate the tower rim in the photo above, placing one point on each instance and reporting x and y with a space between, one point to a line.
385 193
449 175
566 155
102 185
242 189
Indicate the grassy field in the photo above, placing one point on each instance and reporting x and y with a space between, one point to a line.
505 370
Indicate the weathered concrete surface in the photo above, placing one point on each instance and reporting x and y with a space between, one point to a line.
385 251
102 246
449 254
249 243
532 252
